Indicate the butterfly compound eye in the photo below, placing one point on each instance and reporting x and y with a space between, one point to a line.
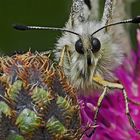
96 45
79 46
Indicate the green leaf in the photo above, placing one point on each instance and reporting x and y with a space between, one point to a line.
28 121
39 95
54 126
5 109
15 137
14 90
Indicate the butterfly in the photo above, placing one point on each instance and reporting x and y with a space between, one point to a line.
88 51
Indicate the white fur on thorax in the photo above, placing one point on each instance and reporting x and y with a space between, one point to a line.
110 56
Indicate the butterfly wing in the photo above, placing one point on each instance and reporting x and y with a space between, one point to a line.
83 11
115 11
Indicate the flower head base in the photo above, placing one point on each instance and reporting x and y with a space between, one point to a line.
112 121
36 100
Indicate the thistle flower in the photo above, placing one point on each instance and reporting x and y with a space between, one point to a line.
112 121
36 100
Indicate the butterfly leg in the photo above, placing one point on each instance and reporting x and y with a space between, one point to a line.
134 102
111 85
99 103
62 56
131 121
65 53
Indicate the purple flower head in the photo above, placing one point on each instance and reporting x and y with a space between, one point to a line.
112 121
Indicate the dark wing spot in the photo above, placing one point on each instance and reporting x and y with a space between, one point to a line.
88 61
88 3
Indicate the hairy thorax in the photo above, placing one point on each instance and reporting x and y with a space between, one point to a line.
81 68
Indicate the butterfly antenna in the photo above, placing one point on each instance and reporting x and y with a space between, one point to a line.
24 28
135 20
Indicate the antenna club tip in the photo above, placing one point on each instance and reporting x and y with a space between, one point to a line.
20 27
136 20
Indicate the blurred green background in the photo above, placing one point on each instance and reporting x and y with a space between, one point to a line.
43 12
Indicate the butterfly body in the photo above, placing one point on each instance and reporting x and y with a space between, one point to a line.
80 67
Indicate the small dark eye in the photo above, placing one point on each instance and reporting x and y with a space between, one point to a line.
79 46
96 45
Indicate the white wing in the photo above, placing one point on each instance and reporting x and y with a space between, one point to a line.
83 11
115 11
